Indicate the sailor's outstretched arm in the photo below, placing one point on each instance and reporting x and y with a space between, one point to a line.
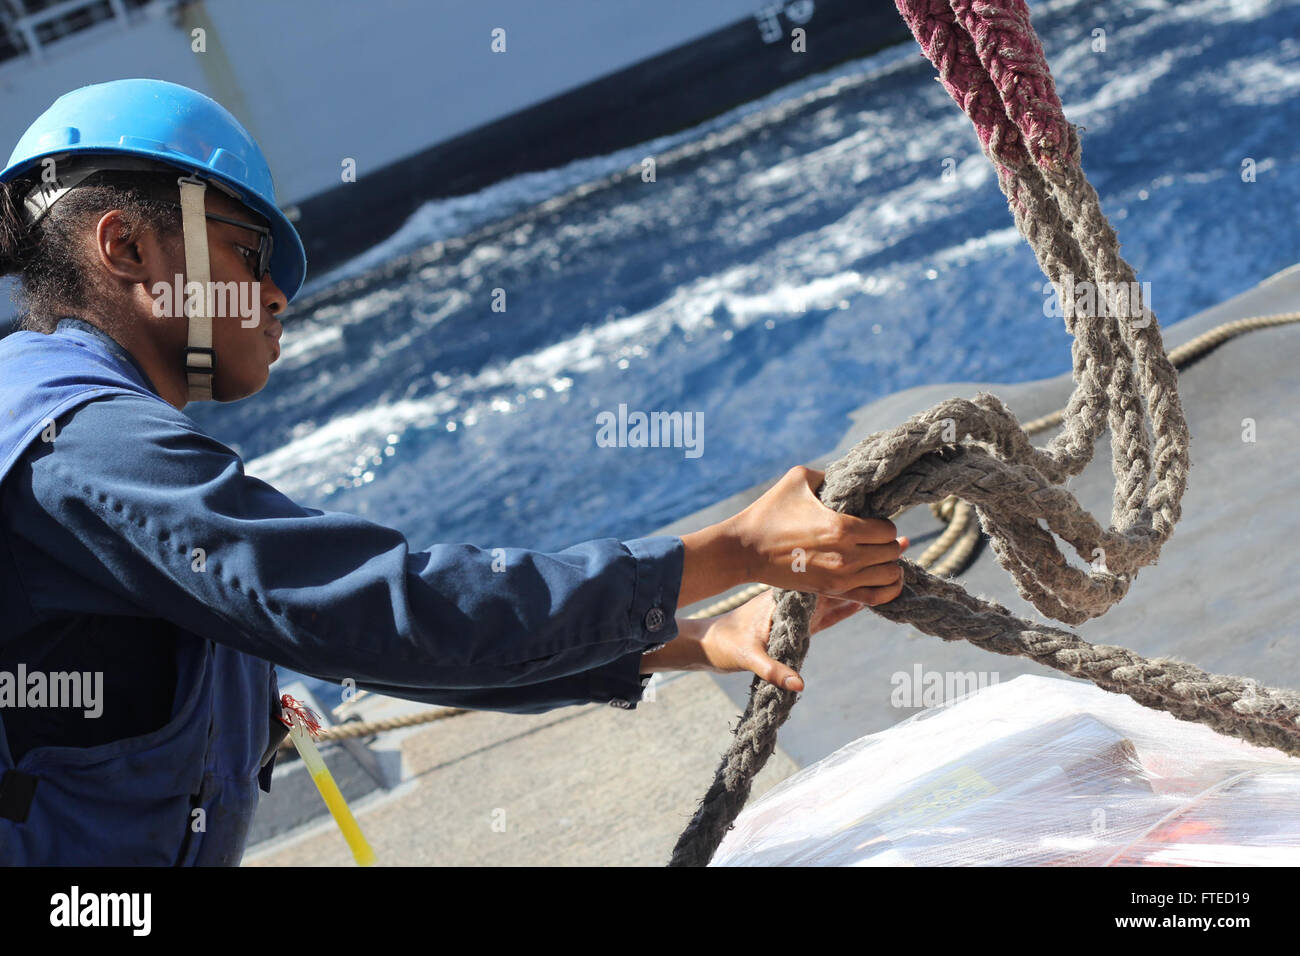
151 516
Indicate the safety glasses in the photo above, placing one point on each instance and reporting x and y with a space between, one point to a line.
264 245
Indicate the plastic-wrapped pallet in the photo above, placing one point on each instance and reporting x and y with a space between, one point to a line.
1036 771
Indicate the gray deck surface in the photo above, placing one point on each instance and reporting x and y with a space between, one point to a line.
580 786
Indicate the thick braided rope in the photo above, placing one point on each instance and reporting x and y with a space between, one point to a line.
990 61
952 550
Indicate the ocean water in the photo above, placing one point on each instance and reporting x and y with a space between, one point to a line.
836 241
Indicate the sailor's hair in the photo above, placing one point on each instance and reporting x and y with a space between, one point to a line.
48 255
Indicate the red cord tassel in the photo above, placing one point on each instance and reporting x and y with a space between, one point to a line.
305 714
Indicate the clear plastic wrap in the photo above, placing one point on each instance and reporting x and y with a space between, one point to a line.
1037 771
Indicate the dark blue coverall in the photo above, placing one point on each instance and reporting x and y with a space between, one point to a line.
134 545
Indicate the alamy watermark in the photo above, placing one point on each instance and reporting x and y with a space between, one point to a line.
651 430
241 300
1096 298
55 689
922 688
76 908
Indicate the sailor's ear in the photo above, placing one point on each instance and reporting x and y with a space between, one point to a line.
127 250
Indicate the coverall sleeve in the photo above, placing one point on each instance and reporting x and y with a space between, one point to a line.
148 507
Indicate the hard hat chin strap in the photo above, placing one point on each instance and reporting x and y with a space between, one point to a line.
200 359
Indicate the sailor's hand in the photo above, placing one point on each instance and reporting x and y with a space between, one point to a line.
738 640
789 539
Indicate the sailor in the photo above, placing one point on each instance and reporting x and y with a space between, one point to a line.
133 545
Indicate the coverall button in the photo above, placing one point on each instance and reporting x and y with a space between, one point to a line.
655 619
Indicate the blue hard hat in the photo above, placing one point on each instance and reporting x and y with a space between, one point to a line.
173 124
